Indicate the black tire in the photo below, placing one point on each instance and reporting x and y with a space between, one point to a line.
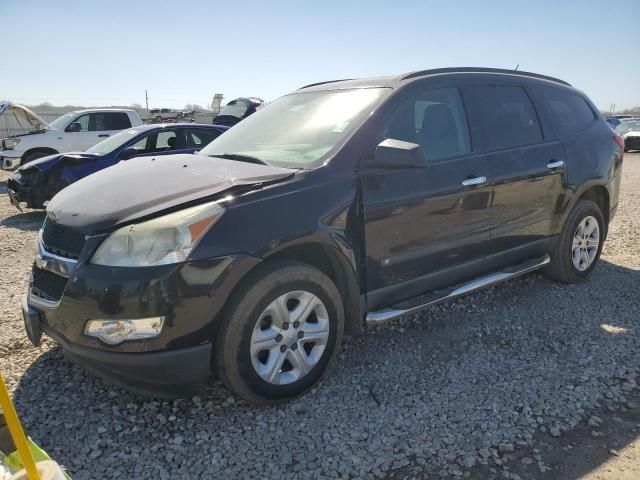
561 267
29 157
233 362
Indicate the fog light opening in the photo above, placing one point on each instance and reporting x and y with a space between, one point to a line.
114 332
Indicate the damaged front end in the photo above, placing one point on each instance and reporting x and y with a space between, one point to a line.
37 182
28 185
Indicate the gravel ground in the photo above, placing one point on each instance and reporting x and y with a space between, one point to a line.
460 389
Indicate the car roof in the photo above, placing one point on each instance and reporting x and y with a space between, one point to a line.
160 126
107 109
396 81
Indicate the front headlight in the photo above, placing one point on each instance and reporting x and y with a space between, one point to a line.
10 143
161 241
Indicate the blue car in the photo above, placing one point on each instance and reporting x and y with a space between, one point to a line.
37 182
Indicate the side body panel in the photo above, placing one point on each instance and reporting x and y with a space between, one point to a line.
592 159
527 187
423 228
421 221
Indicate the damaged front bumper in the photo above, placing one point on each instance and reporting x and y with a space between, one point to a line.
22 192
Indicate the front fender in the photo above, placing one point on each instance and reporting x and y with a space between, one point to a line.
290 220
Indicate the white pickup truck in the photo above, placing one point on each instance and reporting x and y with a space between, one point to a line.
74 131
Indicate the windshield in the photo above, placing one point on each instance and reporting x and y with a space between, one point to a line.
234 109
62 121
111 143
298 130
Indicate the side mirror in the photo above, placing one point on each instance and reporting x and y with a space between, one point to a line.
392 153
73 127
128 153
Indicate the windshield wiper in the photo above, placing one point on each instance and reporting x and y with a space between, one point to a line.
240 157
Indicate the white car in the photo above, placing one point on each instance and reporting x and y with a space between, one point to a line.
74 131
629 130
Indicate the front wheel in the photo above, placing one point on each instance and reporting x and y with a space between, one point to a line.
578 248
279 333
30 157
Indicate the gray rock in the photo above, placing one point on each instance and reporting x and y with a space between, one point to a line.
595 421
506 448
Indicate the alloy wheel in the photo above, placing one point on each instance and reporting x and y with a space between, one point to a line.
586 241
289 337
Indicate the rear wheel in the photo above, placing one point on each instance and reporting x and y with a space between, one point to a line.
578 249
280 332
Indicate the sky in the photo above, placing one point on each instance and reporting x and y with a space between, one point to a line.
110 52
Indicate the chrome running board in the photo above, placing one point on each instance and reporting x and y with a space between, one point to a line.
419 303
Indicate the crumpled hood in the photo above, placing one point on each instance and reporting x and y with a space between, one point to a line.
46 163
146 185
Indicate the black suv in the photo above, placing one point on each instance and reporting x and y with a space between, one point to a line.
342 204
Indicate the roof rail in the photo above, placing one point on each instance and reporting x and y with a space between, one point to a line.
322 83
437 71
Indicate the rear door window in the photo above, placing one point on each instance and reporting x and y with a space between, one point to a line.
200 137
117 120
569 112
506 116
434 119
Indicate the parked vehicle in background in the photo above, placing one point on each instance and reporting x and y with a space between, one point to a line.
629 130
237 110
187 114
159 114
73 131
37 182
341 204
616 119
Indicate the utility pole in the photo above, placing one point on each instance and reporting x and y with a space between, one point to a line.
146 99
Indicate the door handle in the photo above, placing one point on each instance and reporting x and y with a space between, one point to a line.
553 164
104 135
469 182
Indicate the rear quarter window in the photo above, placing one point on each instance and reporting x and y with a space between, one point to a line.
569 112
506 114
